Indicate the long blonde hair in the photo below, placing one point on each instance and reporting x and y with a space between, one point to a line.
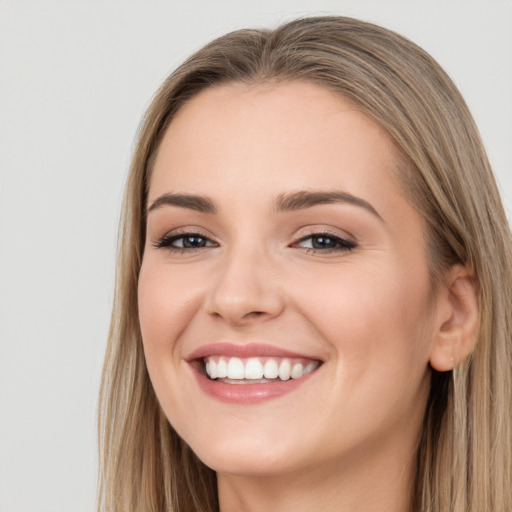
464 459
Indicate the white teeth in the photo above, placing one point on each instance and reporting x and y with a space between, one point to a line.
253 369
285 369
297 371
213 370
222 368
309 368
235 368
271 369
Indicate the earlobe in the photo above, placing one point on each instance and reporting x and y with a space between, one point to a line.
456 328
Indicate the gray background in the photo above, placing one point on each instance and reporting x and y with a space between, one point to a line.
75 78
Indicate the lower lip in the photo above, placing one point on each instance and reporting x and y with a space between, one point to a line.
248 393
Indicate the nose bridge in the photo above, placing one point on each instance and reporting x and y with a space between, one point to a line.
245 287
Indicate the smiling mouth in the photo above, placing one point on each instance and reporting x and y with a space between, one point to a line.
256 370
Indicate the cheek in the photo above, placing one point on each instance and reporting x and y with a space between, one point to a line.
376 324
368 314
166 304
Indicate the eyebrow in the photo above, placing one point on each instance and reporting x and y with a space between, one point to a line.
291 201
306 199
193 202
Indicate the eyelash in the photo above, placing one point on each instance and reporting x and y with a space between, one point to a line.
167 241
342 244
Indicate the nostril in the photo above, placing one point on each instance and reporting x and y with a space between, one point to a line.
241 318
251 302
254 315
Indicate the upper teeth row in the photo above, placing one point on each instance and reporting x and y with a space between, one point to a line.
254 369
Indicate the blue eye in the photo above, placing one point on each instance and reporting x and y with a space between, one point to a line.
325 242
184 241
315 242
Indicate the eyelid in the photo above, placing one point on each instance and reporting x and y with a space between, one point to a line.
345 243
165 242
318 231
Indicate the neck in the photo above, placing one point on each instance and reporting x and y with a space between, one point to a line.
384 485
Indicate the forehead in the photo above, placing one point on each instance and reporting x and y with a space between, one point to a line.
245 147
294 130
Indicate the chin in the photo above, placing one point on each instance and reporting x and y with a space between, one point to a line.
245 456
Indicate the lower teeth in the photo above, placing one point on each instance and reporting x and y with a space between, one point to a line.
247 381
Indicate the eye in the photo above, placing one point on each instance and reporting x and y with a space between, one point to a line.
325 242
184 242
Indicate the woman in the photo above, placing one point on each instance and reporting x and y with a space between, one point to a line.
313 281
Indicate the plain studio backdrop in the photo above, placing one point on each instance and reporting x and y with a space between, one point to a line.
75 78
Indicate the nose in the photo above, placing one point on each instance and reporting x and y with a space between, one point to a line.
245 289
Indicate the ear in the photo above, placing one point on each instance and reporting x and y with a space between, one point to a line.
457 322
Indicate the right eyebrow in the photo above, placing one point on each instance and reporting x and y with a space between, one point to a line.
201 204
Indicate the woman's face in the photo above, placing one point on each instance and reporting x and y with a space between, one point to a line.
278 243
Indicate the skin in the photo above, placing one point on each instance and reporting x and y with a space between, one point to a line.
346 439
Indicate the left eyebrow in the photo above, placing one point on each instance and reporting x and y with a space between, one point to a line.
307 199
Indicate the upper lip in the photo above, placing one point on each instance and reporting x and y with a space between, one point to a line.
244 351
